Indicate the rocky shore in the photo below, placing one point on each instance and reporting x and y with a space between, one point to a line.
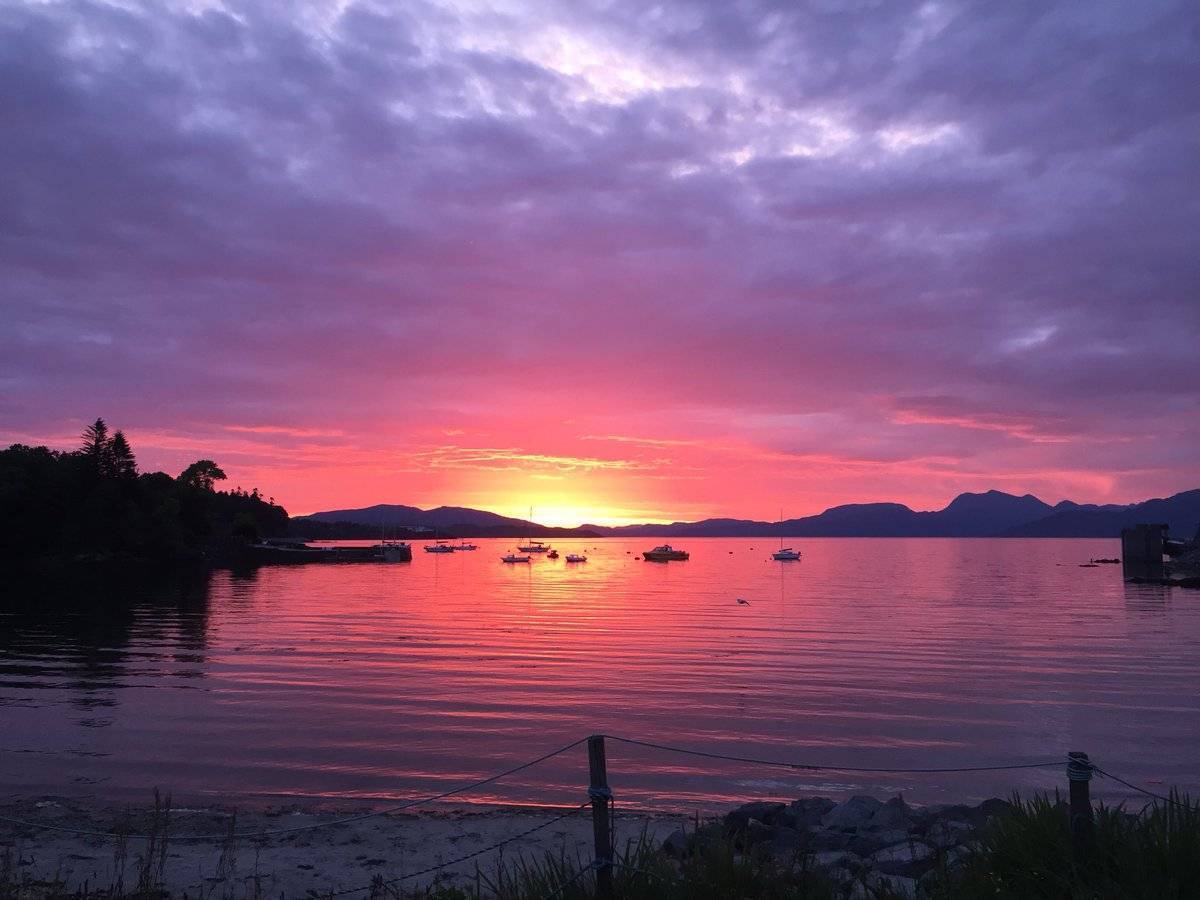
861 842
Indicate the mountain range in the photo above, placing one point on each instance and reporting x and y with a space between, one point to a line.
990 514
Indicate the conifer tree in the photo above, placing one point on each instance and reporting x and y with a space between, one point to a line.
124 465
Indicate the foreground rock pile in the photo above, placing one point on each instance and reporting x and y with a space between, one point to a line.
860 841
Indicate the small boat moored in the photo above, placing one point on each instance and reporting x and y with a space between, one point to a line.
576 557
535 547
513 558
665 553
439 547
465 546
783 553
553 554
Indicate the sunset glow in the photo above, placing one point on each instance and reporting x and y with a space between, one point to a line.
618 264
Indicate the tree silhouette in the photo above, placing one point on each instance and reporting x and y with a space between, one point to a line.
96 448
202 474
92 506
124 465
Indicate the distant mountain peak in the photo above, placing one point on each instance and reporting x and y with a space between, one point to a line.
983 514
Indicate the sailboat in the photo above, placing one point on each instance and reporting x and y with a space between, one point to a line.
784 554
534 546
439 545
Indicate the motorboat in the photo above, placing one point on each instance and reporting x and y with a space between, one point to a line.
394 551
553 554
439 547
576 557
535 547
465 546
513 558
665 553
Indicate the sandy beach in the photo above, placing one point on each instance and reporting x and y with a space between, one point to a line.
316 861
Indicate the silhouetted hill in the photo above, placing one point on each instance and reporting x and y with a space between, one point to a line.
990 514
403 522
1181 512
395 515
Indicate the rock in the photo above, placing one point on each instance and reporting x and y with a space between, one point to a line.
786 842
955 855
675 843
830 859
767 813
908 852
821 840
852 814
807 813
878 882
956 811
949 833
866 843
891 816
909 860
756 832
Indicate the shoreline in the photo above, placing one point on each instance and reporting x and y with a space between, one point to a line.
288 851
334 856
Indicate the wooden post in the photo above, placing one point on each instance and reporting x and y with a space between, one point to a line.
600 794
1079 776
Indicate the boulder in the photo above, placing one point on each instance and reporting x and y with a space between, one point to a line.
786 843
948 833
821 840
767 813
851 814
807 813
909 851
892 816
878 883
868 842
755 832
830 859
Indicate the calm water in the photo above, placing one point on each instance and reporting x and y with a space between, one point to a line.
319 683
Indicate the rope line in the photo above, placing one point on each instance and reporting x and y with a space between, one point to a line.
250 835
461 859
825 768
1170 800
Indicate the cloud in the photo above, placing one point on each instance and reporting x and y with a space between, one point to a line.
758 225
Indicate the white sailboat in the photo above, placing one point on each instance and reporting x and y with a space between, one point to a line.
784 554
534 546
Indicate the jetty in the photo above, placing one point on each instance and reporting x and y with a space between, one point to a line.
293 551
1150 556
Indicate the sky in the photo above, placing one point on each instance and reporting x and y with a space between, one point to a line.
613 259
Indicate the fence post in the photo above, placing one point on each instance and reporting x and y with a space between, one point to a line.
600 794
1079 776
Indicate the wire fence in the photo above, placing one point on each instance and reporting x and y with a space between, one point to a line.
600 798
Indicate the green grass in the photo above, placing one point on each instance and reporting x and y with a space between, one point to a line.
1154 853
